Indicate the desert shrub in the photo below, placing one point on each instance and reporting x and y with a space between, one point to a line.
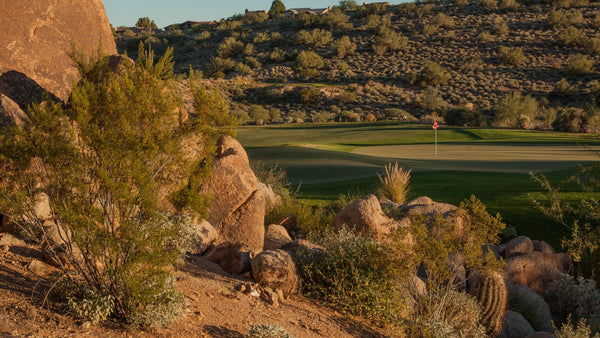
562 19
485 36
307 64
579 217
513 105
511 55
575 298
347 96
347 5
442 20
268 331
277 55
509 5
218 65
595 21
241 68
336 20
379 49
315 38
230 47
252 62
457 314
464 117
256 113
581 330
105 159
432 74
489 5
432 98
570 36
399 114
575 120
310 95
500 27
393 40
394 183
261 37
579 64
344 47
564 88
592 46
351 275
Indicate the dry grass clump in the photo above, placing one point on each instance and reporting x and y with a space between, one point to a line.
394 183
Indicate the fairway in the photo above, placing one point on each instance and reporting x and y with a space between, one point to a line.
519 158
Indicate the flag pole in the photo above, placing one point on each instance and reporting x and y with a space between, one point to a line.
435 128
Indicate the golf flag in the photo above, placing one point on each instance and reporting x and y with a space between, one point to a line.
435 125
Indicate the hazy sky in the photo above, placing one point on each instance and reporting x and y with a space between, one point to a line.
166 12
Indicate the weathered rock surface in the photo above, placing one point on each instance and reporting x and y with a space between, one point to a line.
271 198
10 113
543 247
276 237
231 257
276 269
515 326
37 38
537 270
237 208
206 234
428 207
532 306
518 246
305 248
365 216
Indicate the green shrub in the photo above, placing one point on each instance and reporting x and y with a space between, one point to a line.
489 5
582 330
511 55
575 298
570 36
257 113
218 65
278 55
394 183
344 47
563 19
464 117
230 47
592 46
442 20
579 64
315 38
106 160
500 27
307 64
513 105
510 5
432 98
310 95
277 9
432 74
352 276
570 119
252 62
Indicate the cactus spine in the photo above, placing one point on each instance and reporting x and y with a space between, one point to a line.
490 292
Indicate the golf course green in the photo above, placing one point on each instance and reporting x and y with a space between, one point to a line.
326 160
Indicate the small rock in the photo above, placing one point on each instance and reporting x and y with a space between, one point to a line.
37 266
276 237
518 246
86 325
254 293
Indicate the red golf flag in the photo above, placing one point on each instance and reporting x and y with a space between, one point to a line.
435 124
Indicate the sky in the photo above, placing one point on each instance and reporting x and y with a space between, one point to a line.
167 12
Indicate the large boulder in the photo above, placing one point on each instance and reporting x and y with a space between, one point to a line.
426 207
365 216
237 208
532 306
205 235
276 237
36 38
276 269
518 246
537 270
231 257
515 326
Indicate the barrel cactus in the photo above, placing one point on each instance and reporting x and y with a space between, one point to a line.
490 291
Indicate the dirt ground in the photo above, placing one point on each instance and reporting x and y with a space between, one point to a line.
215 309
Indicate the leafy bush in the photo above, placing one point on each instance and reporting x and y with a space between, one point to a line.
230 47
344 47
464 117
432 98
307 64
511 55
352 276
105 163
575 298
570 119
579 64
432 74
514 105
316 38
570 36
278 55
562 19
394 183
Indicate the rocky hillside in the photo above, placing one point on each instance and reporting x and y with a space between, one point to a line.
376 62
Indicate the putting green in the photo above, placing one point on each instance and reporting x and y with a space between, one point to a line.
517 158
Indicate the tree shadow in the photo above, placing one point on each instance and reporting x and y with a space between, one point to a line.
222 332
23 90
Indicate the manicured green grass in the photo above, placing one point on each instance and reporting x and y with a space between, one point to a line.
493 164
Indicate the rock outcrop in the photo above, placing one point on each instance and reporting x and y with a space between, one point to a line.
537 270
10 113
237 208
36 38
366 216
276 237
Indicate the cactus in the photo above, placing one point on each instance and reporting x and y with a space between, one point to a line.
490 291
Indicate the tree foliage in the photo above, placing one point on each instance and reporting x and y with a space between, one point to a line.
121 166
277 8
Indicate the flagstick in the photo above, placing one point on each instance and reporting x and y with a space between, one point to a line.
436 142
